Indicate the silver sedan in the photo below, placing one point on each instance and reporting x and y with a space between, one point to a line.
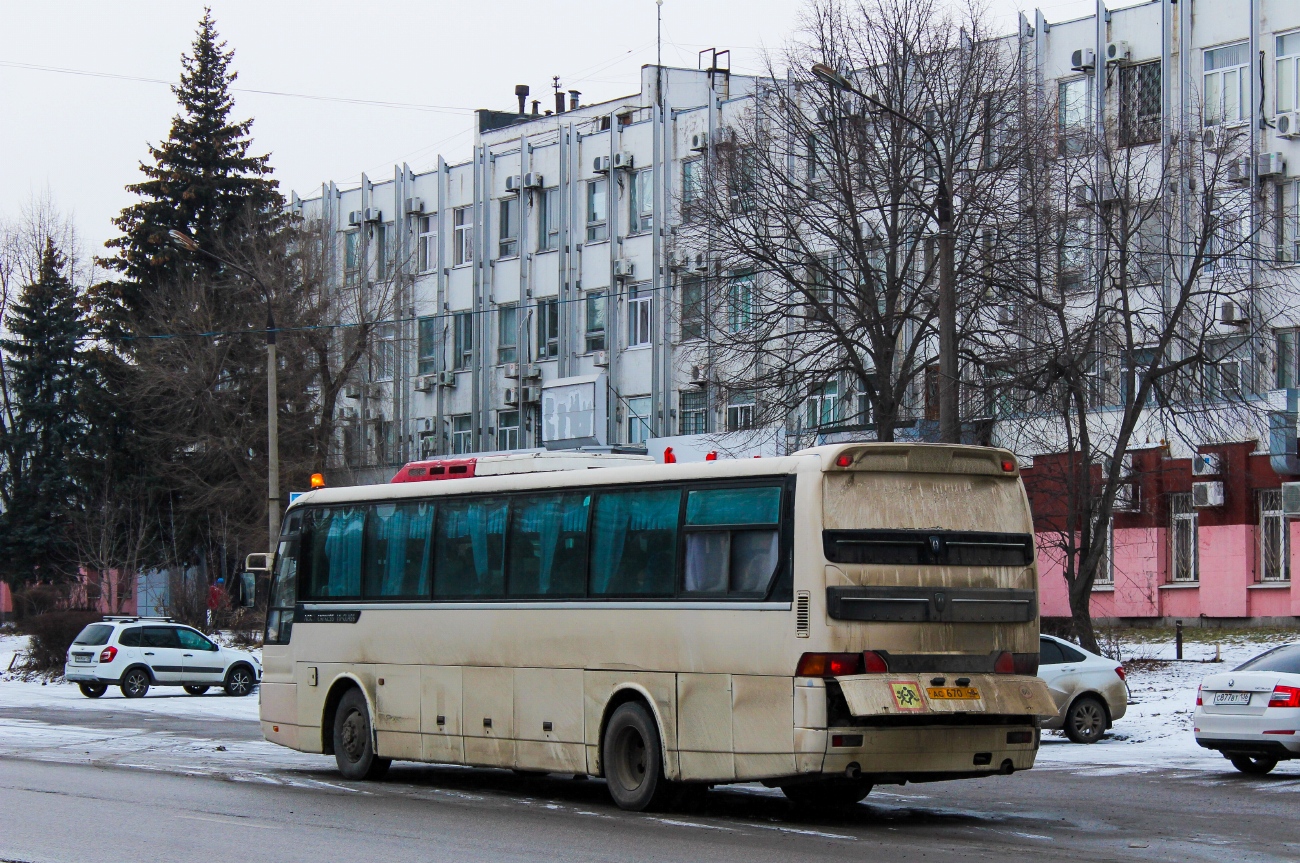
1089 690
1252 713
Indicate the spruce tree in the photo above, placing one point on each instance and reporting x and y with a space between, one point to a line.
46 329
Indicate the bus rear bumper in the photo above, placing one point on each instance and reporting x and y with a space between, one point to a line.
930 752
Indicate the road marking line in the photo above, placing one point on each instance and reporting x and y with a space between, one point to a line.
805 832
230 821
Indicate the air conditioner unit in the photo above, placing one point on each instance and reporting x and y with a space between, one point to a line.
624 269
1239 170
701 262
1212 137
1084 195
1117 52
352 391
700 142
373 414
514 183
533 180
1232 314
354 217
1288 124
530 395
1083 60
1126 498
1270 165
348 414
600 164
1006 315
1291 499
413 205
447 379
425 383
531 370
1109 193
699 375
623 160
374 214
1207 464
1207 494
511 370
511 396
600 358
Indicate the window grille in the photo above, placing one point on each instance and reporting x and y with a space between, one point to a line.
1274 548
1182 539
1139 111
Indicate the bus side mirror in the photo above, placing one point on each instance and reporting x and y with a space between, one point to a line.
260 561
247 590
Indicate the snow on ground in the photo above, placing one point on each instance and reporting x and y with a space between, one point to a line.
1156 732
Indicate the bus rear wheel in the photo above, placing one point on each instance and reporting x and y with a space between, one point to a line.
827 793
354 745
633 759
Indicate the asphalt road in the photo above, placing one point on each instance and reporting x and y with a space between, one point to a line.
102 811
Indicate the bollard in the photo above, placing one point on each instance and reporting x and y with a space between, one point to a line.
1178 639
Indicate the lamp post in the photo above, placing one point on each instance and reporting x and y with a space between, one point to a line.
272 399
949 419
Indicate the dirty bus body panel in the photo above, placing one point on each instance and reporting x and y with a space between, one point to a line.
863 610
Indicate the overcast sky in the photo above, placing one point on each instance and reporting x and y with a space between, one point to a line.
81 99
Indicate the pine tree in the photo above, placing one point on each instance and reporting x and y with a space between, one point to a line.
44 363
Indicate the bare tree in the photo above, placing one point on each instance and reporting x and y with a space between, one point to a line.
817 212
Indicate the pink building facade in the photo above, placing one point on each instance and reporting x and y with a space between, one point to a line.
1220 558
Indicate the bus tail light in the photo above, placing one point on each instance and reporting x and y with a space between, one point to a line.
829 664
874 662
107 654
1008 465
844 460
1285 696
1005 663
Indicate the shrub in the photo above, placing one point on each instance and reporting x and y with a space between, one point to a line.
51 636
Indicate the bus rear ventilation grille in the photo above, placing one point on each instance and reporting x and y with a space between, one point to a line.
801 614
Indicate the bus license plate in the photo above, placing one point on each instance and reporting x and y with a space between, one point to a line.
953 693
1232 698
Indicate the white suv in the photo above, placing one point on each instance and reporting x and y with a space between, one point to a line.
135 653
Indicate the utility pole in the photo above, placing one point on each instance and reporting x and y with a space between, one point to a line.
949 382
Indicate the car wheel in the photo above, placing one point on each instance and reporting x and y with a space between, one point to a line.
1255 765
135 683
1085 721
195 690
92 690
354 746
827 793
633 759
240 681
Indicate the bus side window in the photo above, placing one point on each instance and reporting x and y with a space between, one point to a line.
548 545
469 549
732 539
334 561
397 550
634 543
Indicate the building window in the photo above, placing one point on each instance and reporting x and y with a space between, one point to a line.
1274 551
692 181
384 358
1288 71
462 236
595 330
1106 572
692 316
1072 254
427 336
691 412
508 228
1286 222
821 159
1227 84
548 329
1074 116
548 221
1288 359
351 256
597 210
463 340
743 181
507 429
1225 374
428 244
641 217
638 316
1182 538
1139 106
740 303
1147 256
638 419
382 252
824 405
462 434
740 410
507 333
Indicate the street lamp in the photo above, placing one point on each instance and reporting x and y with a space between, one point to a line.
949 421
188 243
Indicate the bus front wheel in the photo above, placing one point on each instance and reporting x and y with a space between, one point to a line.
633 759
354 744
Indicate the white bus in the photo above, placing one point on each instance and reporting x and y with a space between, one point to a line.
821 622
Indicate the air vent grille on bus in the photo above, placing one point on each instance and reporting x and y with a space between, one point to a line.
801 614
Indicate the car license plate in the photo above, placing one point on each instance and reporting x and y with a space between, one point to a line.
953 693
80 657
1232 698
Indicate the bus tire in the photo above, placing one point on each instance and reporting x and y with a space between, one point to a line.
632 758
827 793
354 744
